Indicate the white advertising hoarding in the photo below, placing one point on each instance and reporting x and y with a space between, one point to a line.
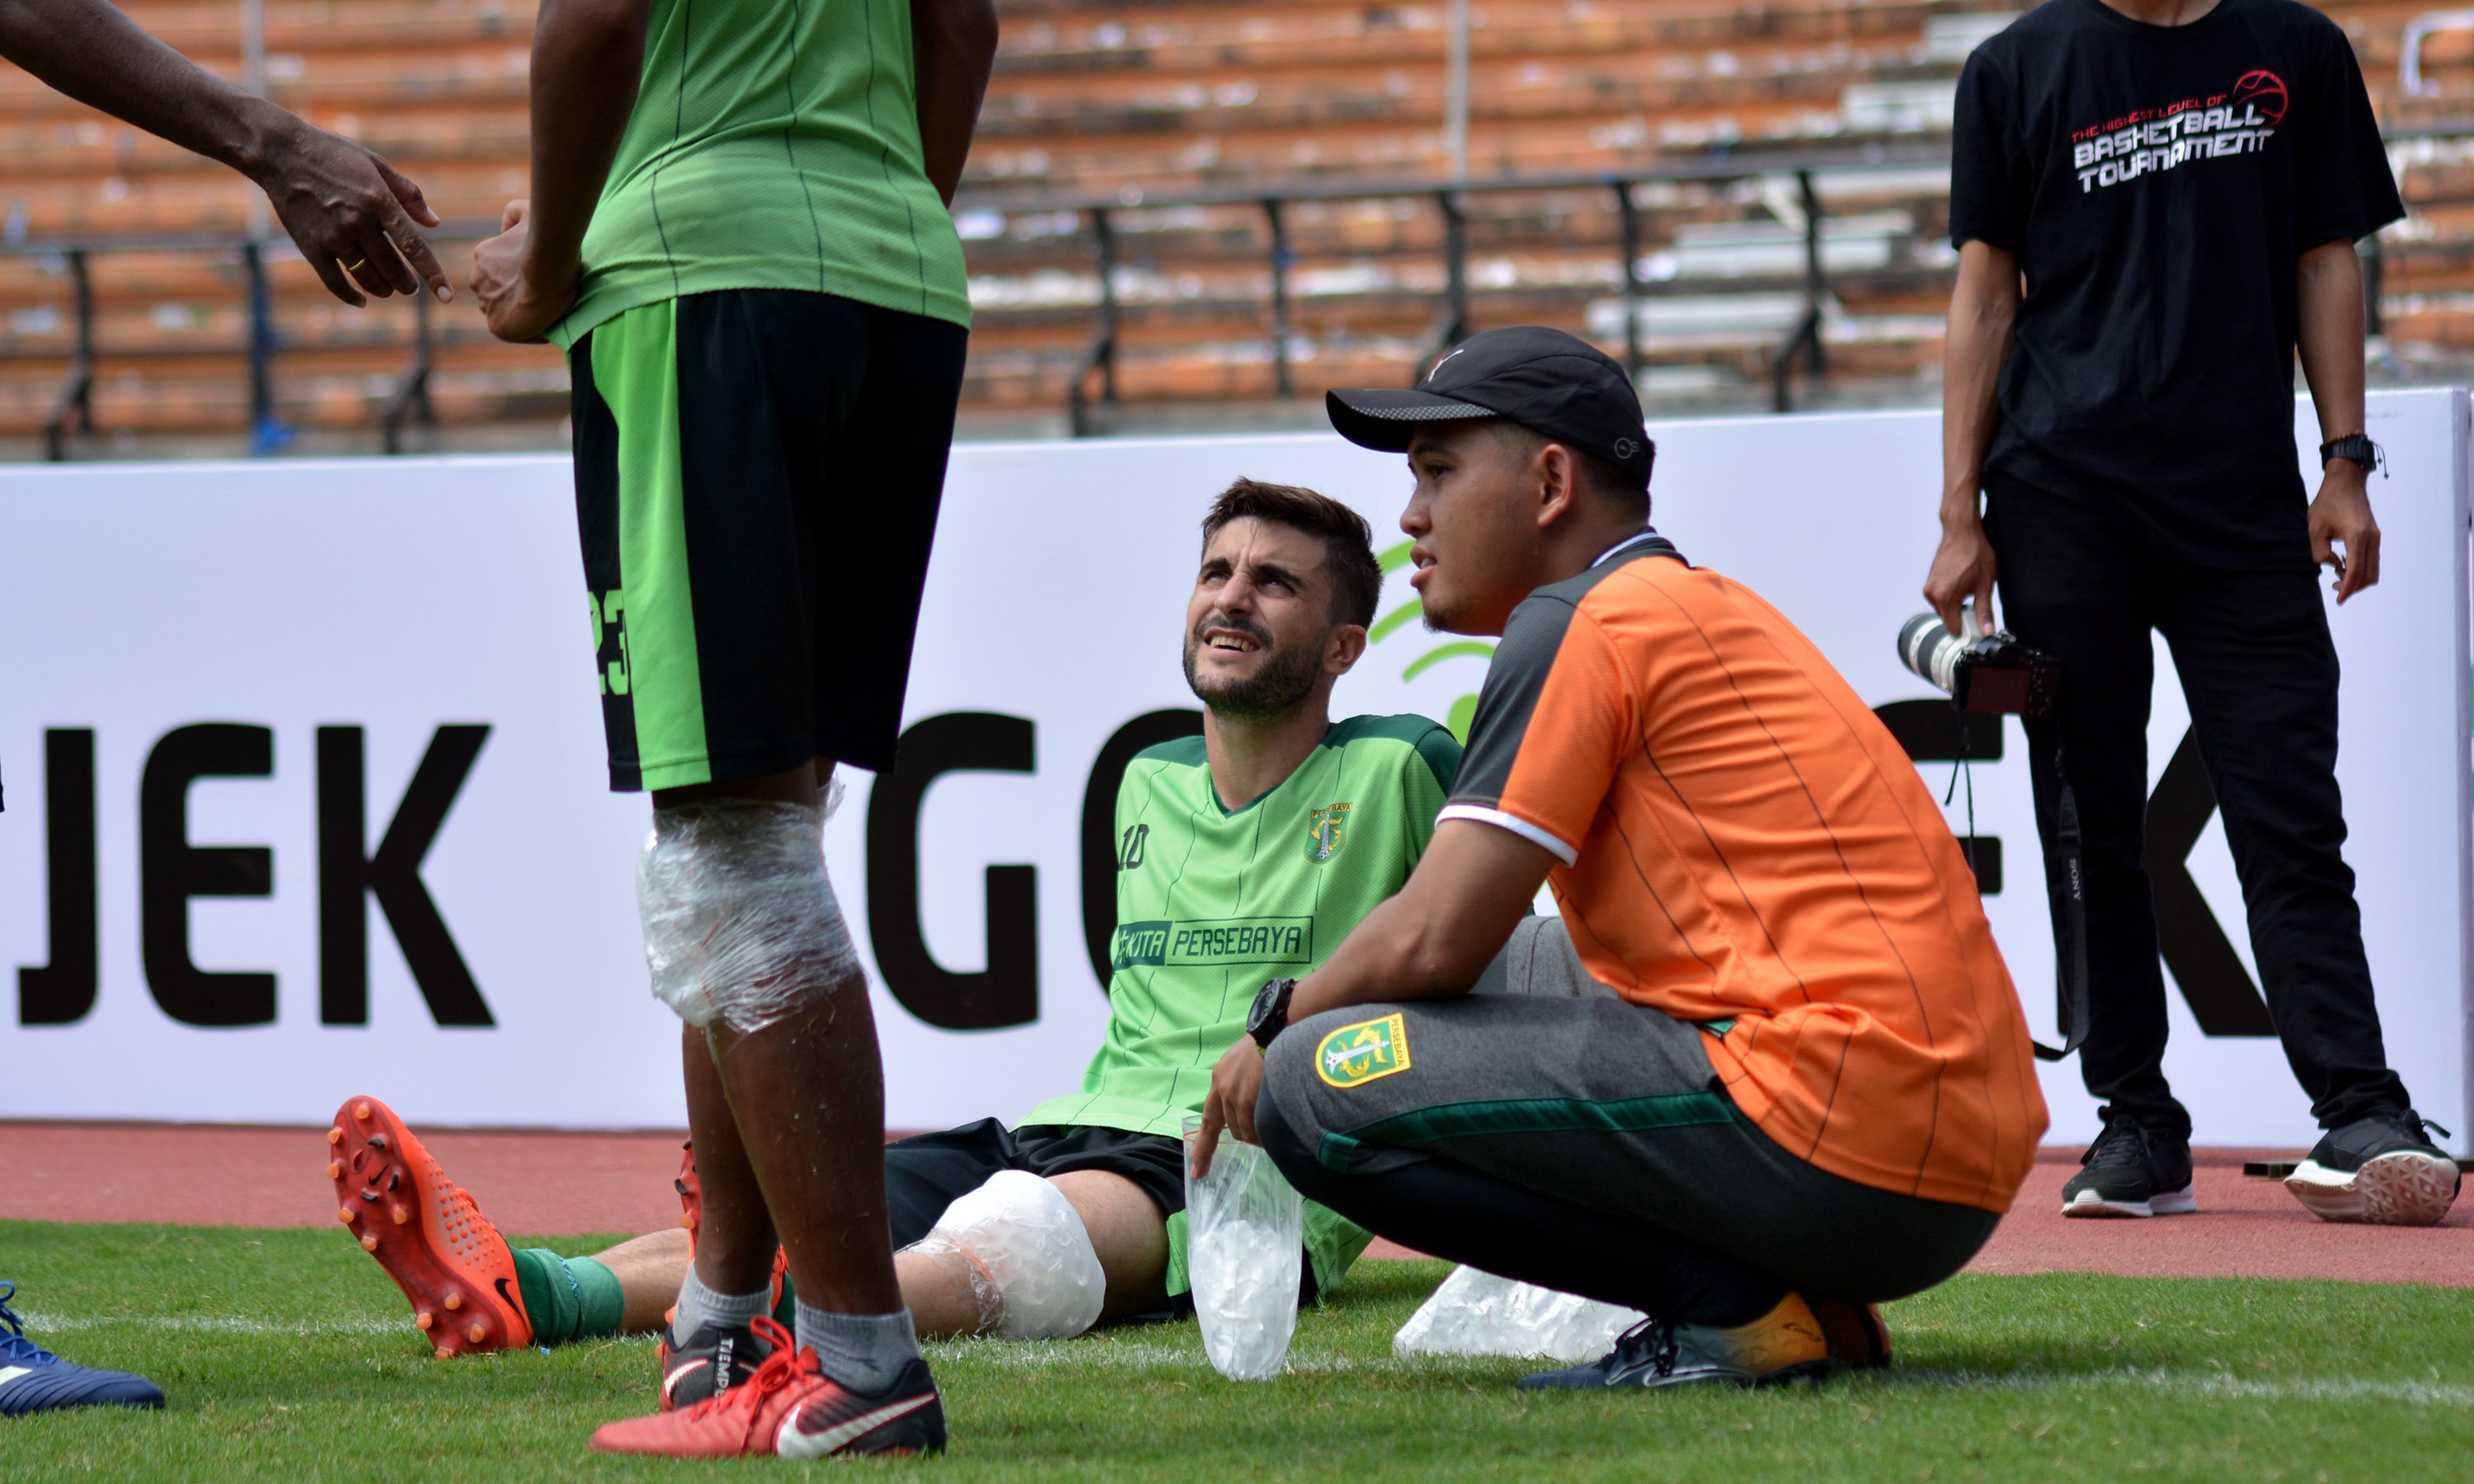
305 798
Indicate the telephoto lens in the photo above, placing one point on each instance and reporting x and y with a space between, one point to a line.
1982 672
1927 647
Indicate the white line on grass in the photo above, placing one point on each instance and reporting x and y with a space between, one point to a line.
40 1325
2444 1393
1037 1356
1140 1354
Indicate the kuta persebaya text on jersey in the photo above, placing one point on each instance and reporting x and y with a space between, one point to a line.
1285 940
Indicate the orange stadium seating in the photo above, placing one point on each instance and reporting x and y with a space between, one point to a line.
1176 118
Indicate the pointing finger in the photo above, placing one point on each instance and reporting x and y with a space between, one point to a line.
416 252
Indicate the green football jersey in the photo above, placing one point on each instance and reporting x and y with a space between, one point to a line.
1212 901
774 145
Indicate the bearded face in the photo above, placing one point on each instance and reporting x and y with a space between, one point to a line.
1251 676
1259 622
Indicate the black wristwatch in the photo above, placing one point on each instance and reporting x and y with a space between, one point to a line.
1270 1013
2357 446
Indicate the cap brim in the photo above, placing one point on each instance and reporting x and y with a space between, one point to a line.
1385 417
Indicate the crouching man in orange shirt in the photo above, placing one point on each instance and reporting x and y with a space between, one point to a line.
1767 1068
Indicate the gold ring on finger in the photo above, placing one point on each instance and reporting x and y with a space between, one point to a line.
353 268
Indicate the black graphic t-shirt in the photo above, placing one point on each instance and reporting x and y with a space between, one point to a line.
2157 184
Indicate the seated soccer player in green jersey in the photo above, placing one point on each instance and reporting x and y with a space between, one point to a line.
1246 853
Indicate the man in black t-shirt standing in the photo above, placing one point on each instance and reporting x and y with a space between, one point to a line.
2156 203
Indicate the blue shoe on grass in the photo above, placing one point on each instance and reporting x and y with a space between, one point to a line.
33 1379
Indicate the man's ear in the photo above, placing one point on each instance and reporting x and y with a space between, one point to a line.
1555 477
1346 646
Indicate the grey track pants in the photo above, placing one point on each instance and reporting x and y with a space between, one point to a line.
1546 1081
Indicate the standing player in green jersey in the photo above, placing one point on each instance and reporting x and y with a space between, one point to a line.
1247 852
739 234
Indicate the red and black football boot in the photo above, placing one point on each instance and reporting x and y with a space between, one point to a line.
789 1408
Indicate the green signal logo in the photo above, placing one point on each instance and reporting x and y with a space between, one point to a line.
1465 708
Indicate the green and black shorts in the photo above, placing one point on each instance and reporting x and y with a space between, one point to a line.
757 477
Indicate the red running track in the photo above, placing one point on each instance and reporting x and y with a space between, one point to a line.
552 1184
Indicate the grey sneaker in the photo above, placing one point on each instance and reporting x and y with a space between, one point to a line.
2131 1171
2384 1171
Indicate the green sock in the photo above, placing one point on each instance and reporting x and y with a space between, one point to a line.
786 1312
569 1299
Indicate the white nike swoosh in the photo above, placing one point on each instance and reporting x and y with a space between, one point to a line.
679 1373
832 1438
9 1374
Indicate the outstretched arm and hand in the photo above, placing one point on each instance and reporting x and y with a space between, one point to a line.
356 218
586 58
1431 940
1982 309
2328 289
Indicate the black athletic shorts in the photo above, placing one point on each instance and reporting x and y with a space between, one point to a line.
757 476
928 1172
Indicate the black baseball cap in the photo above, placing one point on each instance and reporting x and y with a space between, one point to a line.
1549 382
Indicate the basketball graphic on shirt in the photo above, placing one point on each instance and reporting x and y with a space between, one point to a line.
2264 90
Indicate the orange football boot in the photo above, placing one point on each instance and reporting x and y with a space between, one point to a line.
690 1194
789 1409
1858 1337
427 1233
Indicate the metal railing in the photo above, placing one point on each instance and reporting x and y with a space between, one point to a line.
410 403
1451 316
73 407
1451 323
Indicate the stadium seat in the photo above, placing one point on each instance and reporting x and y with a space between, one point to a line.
1144 104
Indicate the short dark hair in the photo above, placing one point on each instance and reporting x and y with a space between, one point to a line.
1348 541
1604 479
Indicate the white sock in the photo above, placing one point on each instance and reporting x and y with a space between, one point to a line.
863 1352
699 1305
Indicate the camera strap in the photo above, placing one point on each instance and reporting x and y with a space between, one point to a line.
2070 916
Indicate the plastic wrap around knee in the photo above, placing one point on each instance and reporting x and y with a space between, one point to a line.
1028 1259
741 924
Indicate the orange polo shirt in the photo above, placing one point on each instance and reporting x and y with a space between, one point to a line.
1740 839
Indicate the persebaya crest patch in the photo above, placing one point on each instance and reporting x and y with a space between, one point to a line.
1327 831
1363 1052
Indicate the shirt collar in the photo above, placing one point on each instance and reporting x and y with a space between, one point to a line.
1634 539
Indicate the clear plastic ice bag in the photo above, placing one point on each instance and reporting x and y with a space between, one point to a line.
1476 1313
1244 1246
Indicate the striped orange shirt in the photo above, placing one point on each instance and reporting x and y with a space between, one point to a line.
1740 840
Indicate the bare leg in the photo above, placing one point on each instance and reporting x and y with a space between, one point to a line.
809 1097
734 1241
1125 1231
798 1134
938 1289
1128 1233
648 1269
1124 1227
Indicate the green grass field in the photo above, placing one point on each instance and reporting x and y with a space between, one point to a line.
287 1355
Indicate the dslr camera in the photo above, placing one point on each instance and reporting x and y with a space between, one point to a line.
1992 673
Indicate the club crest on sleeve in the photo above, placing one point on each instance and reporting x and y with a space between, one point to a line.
1360 1053
1327 831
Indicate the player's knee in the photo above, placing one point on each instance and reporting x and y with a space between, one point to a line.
740 925
1022 1247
